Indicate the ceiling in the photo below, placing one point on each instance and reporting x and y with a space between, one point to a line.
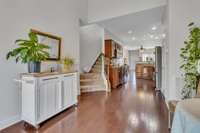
99 10
135 30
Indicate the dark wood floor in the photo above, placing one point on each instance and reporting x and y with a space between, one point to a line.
128 109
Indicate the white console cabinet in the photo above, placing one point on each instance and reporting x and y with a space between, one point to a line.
45 95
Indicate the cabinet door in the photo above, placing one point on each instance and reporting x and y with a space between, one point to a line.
67 90
108 48
75 89
47 105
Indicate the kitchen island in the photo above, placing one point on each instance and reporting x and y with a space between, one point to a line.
145 70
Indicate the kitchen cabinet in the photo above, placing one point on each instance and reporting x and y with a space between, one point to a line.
69 93
49 98
45 96
113 49
109 50
117 72
118 75
148 72
139 71
114 77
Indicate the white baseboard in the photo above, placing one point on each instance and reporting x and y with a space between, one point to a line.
8 122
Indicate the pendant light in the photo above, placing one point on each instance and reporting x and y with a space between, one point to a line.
141 49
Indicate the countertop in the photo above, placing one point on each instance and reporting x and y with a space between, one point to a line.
145 64
44 74
118 66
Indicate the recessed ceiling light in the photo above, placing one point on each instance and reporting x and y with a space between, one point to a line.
151 36
130 32
163 35
154 28
156 37
133 38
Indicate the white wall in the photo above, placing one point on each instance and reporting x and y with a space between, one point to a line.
126 55
165 53
91 42
133 58
109 35
17 17
180 13
148 53
99 10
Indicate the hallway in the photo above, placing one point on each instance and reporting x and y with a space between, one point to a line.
129 109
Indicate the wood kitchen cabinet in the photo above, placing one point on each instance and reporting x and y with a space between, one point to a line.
44 96
114 53
113 49
139 70
118 75
114 77
148 72
109 48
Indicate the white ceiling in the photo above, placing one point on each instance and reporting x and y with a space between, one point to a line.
99 10
140 24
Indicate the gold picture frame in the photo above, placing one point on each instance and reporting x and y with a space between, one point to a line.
54 42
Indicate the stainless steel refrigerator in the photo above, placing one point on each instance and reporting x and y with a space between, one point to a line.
158 67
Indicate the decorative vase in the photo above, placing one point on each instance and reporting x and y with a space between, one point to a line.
67 67
34 67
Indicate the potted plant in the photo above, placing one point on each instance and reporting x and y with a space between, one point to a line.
67 63
190 55
30 51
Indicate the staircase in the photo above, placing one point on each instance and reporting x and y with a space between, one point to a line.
93 80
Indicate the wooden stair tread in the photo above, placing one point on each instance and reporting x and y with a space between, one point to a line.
93 80
89 74
91 86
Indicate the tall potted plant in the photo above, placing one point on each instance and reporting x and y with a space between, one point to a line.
30 51
190 55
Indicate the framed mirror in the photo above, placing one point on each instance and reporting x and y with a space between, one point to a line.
54 42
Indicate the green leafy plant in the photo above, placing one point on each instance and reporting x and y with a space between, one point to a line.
68 61
190 55
29 50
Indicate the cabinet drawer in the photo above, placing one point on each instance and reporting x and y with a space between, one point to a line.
49 79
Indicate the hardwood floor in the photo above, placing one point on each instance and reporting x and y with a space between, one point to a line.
127 109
